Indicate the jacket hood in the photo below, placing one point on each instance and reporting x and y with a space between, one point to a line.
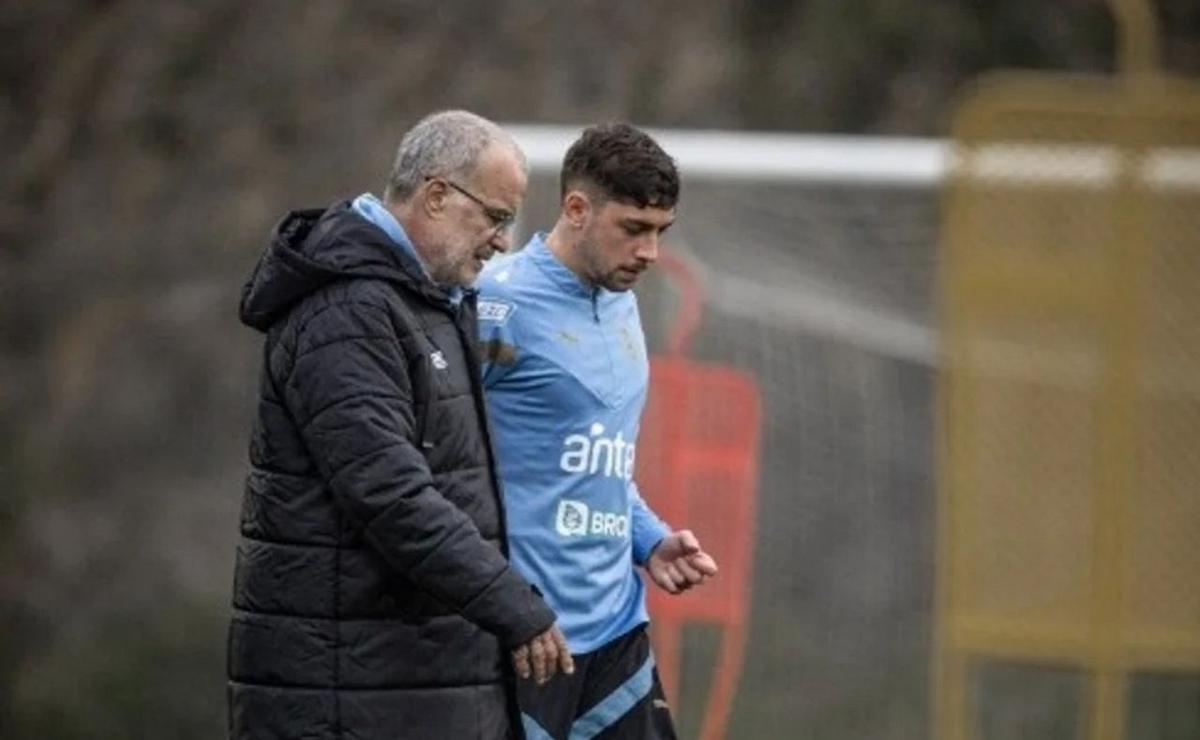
310 249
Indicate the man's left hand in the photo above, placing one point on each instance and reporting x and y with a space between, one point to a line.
678 563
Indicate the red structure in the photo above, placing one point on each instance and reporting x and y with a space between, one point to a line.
698 468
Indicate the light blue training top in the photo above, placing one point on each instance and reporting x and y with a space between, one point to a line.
565 380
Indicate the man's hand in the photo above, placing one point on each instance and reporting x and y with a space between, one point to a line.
544 655
678 563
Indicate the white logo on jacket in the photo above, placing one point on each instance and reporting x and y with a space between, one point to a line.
494 310
438 360
574 519
595 454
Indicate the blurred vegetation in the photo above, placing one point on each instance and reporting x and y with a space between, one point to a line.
149 676
147 147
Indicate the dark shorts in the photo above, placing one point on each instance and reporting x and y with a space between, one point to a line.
614 694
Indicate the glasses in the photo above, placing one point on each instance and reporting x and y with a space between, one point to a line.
502 219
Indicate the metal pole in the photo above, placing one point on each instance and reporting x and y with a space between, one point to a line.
1137 37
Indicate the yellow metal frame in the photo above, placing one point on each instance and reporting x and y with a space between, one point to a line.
1130 116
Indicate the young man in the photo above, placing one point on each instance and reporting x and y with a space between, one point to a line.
372 597
566 377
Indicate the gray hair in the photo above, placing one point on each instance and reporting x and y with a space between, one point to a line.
444 144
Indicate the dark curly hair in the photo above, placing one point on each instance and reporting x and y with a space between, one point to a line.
622 163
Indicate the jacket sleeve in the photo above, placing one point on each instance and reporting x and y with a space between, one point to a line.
350 394
647 529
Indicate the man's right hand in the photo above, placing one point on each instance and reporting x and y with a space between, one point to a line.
543 656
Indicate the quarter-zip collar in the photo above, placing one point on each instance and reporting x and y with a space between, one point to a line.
561 275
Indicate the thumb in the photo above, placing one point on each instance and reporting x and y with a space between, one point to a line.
688 542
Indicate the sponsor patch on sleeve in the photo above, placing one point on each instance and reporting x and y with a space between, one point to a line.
495 311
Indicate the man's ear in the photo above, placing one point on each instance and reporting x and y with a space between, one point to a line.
433 198
577 207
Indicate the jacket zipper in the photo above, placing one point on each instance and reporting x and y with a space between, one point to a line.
476 373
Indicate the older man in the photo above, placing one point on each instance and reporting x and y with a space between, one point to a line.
373 597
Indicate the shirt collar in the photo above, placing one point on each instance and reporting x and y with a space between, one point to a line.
561 275
372 209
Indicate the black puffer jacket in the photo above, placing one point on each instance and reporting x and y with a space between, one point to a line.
372 595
